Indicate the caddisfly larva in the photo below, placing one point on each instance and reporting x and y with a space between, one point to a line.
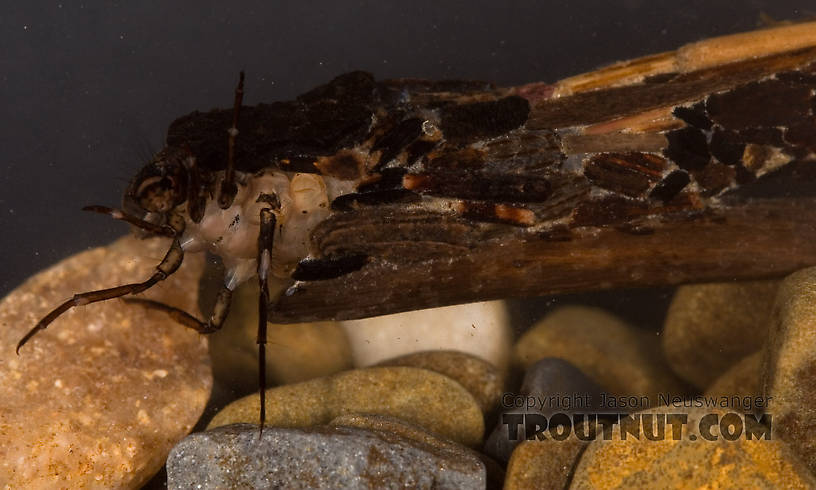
364 197
259 223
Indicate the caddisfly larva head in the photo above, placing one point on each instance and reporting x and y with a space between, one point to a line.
159 187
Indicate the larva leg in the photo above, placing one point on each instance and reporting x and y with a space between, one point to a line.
216 321
266 238
228 187
170 264
163 230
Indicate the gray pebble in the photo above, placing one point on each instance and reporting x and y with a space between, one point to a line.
551 377
234 456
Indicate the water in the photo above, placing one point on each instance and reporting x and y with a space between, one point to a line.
89 89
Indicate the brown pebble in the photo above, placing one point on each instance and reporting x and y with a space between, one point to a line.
478 376
709 327
789 364
543 465
687 463
621 359
740 381
418 396
100 397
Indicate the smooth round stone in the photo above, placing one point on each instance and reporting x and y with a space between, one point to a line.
687 463
100 397
790 364
476 375
543 464
332 456
709 327
554 386
431 400
623 360
294 352
742 380
393 425
480 329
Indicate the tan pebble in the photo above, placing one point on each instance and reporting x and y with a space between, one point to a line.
623 360
789 364
478 376
392 425
709 327
545 464
740 383
480 329
687 463
96 414
431 400
294 352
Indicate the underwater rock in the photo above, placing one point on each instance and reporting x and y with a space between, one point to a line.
691 461
480 329
543 465
294 352
741 380
622 359
495 472
789 364
478 376
100 397
553 386
428 399
321 457
709 327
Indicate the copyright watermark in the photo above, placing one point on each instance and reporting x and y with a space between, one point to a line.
714 426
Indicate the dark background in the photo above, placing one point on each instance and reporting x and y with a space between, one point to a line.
88 89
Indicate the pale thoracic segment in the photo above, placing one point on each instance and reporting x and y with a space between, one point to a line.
299 201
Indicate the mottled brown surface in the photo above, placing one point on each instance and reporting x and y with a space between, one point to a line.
718 245
544 465
686 463
100 397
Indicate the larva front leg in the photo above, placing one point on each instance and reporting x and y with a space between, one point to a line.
170 264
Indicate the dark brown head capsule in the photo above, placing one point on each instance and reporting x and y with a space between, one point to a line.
159 187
